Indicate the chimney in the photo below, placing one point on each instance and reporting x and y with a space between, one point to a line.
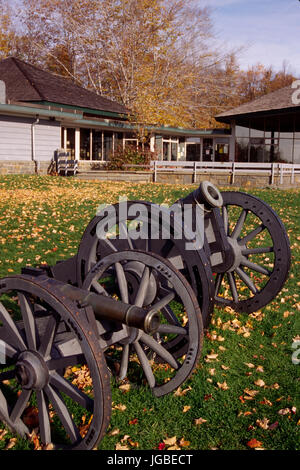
2 92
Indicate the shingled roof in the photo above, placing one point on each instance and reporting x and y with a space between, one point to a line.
27 83
276 101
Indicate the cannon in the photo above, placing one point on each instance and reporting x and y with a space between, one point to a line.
243 263
65 329
51 329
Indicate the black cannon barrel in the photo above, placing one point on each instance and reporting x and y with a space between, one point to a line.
207 194
105 307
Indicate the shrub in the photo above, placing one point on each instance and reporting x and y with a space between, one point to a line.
131 155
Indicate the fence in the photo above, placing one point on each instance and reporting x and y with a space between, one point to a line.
279 170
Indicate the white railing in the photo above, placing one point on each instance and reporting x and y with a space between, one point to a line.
230 168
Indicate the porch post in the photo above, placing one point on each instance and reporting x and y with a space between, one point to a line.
232 142
77 144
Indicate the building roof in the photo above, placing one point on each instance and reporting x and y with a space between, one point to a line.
280 100
27 83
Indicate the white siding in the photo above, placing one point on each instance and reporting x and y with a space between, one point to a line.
47 139
15 138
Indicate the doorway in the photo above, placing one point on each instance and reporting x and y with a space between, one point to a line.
208 150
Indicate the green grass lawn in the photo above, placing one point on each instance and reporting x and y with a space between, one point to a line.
245 386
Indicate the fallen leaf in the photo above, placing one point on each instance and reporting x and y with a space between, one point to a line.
181 393
223 386
253 444
263 423
170 441
133 421
120 407
199 421
161 446
186 408
259 383
120 447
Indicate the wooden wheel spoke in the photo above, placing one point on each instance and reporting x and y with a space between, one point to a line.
257 251
162 303
239 225
20 405
218 283
255 267
144 284
48 338
126 235
44 420
160 350
247 280
124 362
29 322
65 361
172 329
233 287
251 235
63 413
14 334
122 282
66 387
145 364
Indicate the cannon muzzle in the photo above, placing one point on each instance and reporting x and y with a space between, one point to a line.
105 307
207 194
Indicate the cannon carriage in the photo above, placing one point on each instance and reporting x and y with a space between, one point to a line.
123 295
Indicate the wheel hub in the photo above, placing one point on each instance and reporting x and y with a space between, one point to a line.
237 253
133 272
31 371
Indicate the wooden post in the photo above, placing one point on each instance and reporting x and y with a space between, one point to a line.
195 173
233 173
154 174
272 173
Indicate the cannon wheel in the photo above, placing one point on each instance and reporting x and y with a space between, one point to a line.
261 253
44 336
193 264
149 281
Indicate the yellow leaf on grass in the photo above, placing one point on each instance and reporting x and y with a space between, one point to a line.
199 421
120 447
170 441
223 386
184 443
186 408
259 383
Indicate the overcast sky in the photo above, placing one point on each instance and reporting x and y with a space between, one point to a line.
270 30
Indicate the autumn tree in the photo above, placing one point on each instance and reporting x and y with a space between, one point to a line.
153 56
7 34
259 80
157 57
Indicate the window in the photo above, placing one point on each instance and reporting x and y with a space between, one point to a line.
170 148
97 145
107 144
84 144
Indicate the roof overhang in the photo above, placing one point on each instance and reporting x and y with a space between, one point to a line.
270 118
18 110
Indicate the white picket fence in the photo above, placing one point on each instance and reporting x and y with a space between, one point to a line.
230 168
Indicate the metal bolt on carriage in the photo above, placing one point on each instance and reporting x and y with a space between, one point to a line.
123 299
